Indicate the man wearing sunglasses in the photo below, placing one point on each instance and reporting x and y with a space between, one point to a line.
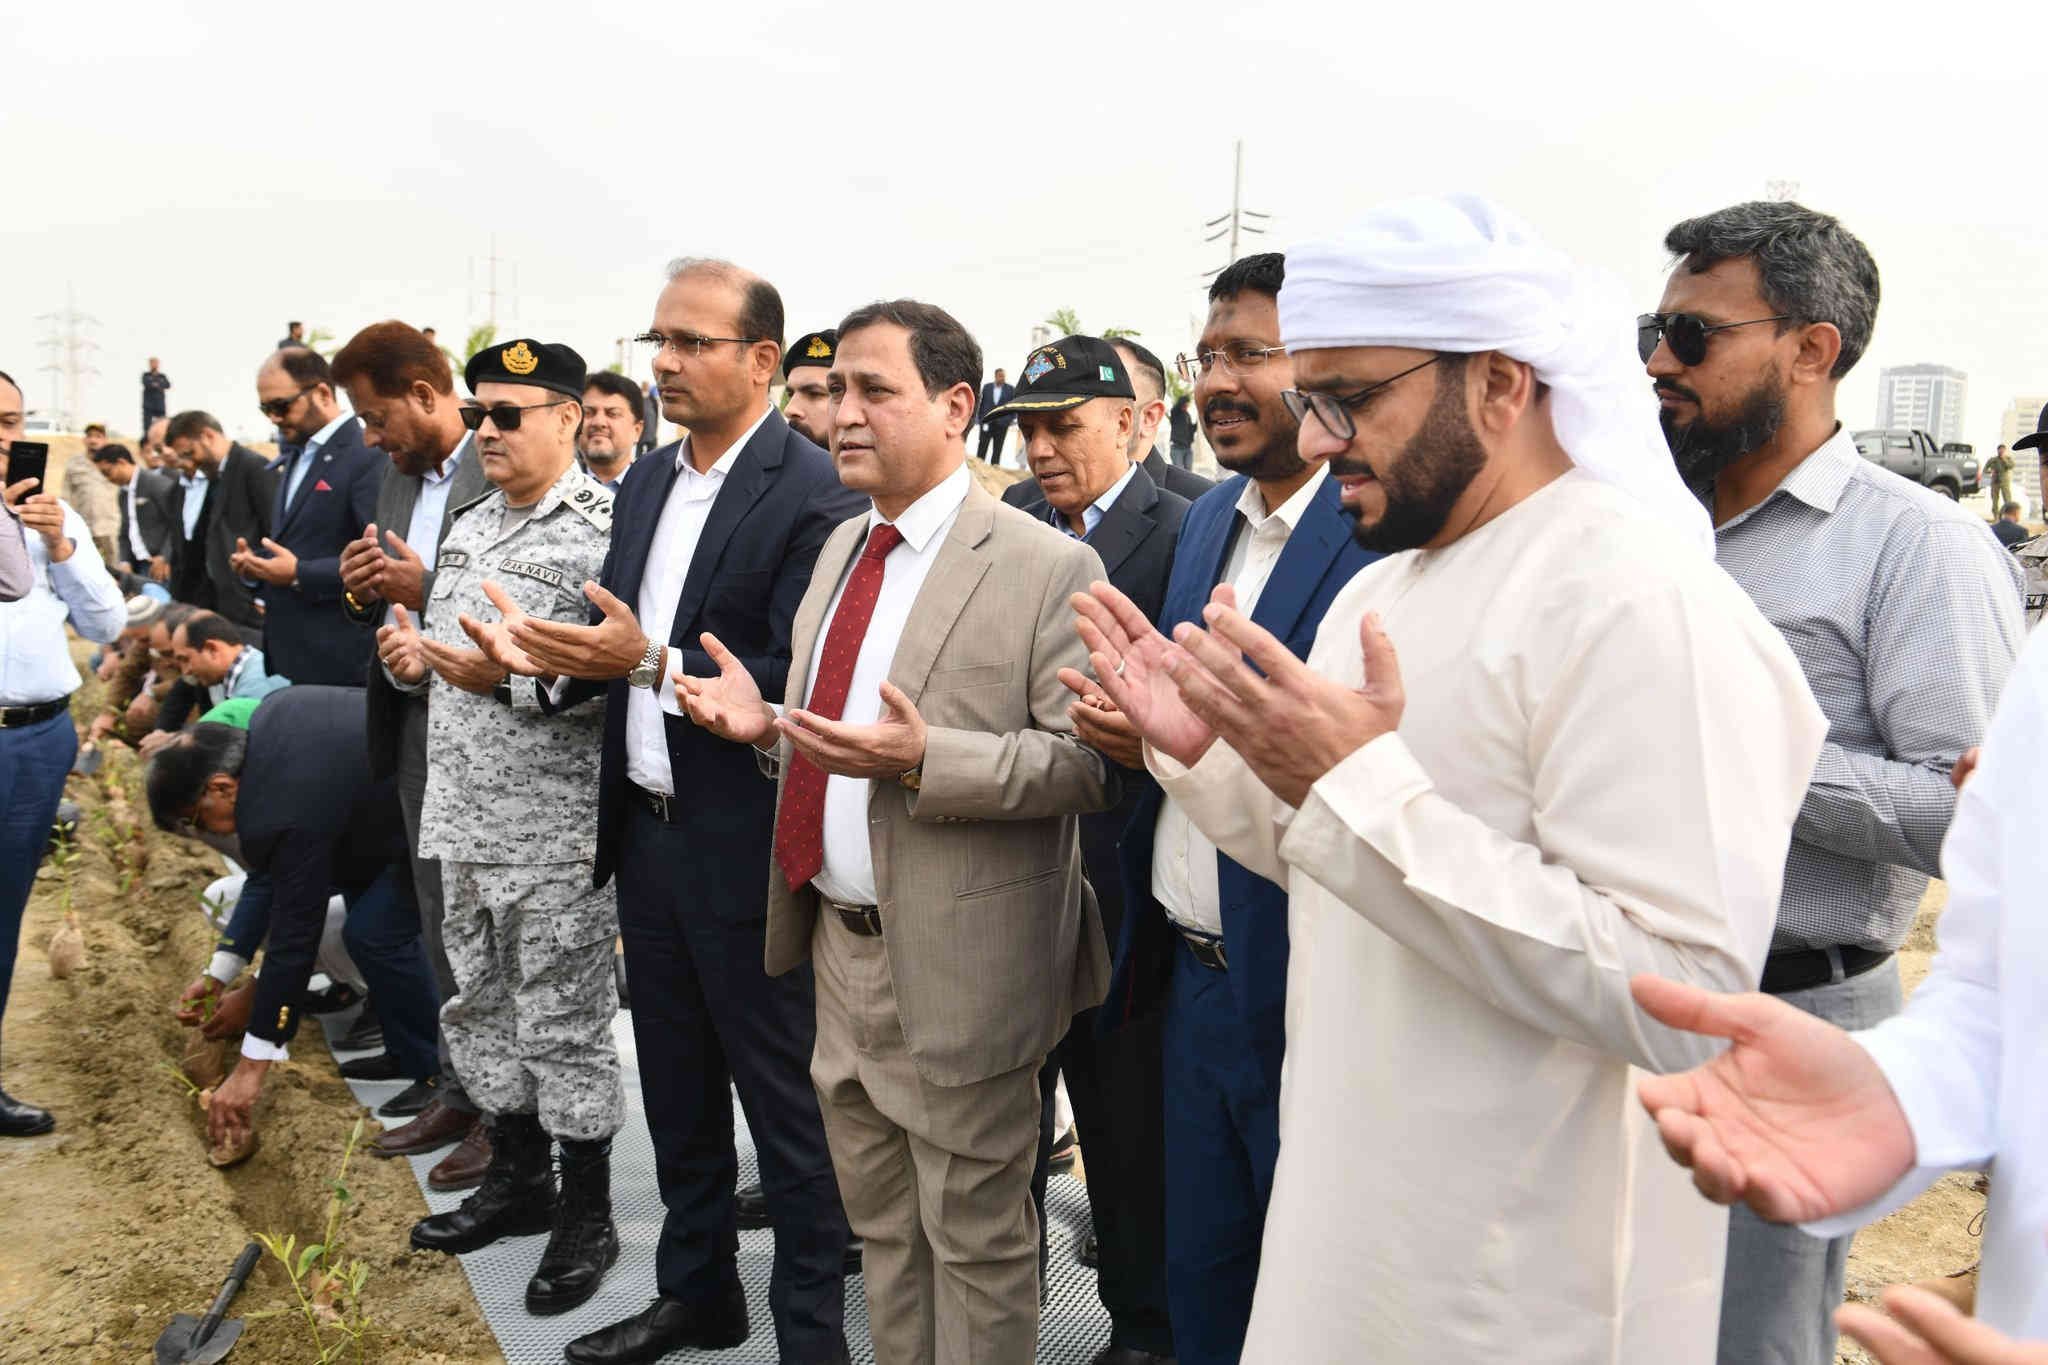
1465 829
1904 614
507 811
327 482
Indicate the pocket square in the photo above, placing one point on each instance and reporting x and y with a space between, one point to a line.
321 486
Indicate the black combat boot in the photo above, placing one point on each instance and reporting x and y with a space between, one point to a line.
516 1199
584 1243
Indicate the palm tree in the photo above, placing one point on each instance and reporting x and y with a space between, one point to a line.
1067 323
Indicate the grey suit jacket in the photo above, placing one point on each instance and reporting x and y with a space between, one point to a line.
993 936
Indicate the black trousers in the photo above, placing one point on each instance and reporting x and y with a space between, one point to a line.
706 1019
996 433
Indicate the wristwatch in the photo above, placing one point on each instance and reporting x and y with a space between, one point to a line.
502 692
912 778
647 673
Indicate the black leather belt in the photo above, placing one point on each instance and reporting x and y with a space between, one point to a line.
864 920
1798 969
664 808
14 717
1208 951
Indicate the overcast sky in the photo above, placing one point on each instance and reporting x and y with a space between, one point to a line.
195 175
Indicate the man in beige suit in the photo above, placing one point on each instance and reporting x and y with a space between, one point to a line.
926 860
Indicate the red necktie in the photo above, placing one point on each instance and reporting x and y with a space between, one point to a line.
800 826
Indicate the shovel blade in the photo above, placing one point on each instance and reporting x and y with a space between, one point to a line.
176 1347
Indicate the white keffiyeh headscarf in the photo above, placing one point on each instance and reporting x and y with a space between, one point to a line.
1459 273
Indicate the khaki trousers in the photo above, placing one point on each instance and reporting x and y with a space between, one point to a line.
936 1179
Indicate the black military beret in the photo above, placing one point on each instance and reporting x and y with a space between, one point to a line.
543 364
812 348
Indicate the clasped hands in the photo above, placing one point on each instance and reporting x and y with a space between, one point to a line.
409 655
1289 724
730 705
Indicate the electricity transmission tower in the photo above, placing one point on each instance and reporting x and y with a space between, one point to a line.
70 364
1233 223
490 291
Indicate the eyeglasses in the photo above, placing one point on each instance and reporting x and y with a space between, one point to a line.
1237 358
1685 334
1334 410
687 343
274 408
505 416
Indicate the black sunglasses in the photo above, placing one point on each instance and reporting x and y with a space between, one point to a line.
1685 334
1334 410
275 408
504 416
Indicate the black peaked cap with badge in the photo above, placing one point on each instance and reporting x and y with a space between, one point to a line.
543 364
812 348
1066 374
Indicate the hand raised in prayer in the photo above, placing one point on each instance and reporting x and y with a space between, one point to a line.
1795 1119
889 748
1130 660
1292 725
1098 722
402 574
469 669
277 568
610 649
729 705
1924 1329
400 647
494 638
362 566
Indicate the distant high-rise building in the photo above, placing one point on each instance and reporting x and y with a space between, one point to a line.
1929 397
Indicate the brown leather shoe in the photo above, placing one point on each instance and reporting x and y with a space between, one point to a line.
437 1126
463 1168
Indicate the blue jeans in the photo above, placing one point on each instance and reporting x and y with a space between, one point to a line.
34 761
1781 1287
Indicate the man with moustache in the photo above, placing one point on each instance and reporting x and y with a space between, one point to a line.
1471 877
1202 957
327 483
613 421
713 535
1076 412
400 386
925 860
1904 615
1148 390
804 371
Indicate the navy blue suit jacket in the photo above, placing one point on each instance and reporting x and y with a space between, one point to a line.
780 501
1319 560
306 635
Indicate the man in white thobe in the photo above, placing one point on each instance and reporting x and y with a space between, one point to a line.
1586 761
1806 1123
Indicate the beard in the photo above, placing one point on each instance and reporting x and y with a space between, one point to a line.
1427 478
1705 446
1277 457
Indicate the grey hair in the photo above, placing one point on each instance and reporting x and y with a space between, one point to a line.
761 315
1811 267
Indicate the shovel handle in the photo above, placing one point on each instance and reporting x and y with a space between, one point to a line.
244 1264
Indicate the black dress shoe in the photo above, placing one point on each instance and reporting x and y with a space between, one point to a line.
378 1066
663 1326
412 1099
23 1120
1088 1251
750 1205
1130 1355
363 1035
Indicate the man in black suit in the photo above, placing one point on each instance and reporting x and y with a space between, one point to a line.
401 387
993 395
239 489
143 544
1148 383
1077 421
326 493
296 790
716 534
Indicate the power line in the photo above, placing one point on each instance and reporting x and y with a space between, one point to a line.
1234 224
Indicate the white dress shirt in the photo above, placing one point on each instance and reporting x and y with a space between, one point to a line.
1184 874
1965 1057
138 553
1603 750
423 532
308 453
661 591
35 661
1094 512
196 489
848 874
